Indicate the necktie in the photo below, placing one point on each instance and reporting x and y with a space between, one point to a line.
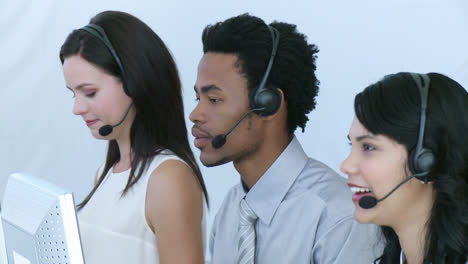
247 234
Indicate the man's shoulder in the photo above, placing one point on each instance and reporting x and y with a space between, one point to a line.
321 180
324 188
235 192
233 196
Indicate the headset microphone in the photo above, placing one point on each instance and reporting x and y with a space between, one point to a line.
220 140
107 129
368 202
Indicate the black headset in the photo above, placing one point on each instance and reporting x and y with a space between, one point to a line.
99 33
421 159
267 99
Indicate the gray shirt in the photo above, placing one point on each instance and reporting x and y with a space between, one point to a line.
305 216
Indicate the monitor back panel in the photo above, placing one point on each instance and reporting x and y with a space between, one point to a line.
39 223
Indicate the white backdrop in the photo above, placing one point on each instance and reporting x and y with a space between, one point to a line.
360 41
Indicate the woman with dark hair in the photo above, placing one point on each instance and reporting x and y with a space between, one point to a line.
408 167
148 200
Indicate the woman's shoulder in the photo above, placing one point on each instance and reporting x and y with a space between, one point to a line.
161 157
168 169
172 192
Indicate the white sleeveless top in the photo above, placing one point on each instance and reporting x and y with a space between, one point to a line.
114 228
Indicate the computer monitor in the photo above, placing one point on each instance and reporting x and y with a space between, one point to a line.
39 222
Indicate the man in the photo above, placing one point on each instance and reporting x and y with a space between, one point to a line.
288 208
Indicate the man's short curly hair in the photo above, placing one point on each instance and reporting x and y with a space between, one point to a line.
293 69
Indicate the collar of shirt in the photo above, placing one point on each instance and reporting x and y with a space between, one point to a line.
266 195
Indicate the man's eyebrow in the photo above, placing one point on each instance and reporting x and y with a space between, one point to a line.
207 88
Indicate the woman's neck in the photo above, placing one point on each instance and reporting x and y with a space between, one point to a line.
412 243
125 156
412 232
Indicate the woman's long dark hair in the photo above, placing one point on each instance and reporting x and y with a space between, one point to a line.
153 83
392 107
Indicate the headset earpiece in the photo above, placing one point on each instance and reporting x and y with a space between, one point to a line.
421 159
267 99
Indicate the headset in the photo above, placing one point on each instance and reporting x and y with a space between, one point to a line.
267 99
264 100
99 33
421 159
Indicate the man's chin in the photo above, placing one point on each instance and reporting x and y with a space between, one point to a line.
213 162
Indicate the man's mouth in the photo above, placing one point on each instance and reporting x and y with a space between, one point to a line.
201 137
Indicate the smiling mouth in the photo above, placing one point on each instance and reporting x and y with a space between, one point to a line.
359 190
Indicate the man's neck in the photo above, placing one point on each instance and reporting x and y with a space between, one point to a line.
253 166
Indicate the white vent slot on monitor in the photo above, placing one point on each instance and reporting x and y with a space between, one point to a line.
50 238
